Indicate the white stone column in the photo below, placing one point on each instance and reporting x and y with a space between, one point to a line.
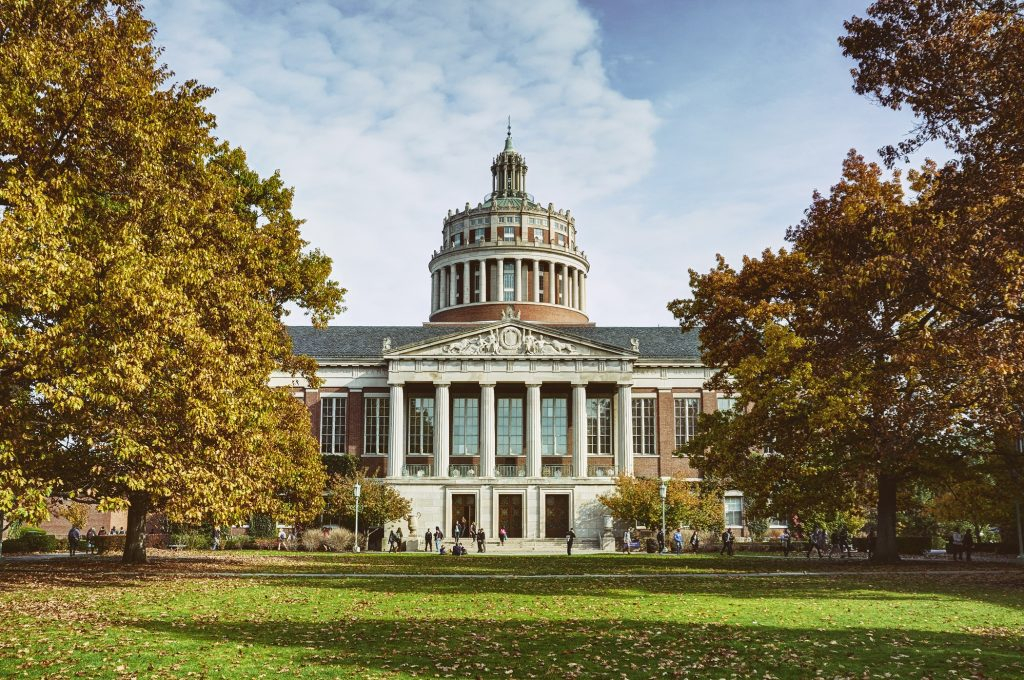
576 276
533 430
579 430
487 430
442 441
519 276
552 283
465 282
565 285
499 275
624 458
483 281
396 438
442 287
433 292
451 285
536 280
583 292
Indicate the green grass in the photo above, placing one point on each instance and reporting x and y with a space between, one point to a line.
94 619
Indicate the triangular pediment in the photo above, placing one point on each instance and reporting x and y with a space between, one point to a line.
510 338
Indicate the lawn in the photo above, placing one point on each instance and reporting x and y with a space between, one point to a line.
680 619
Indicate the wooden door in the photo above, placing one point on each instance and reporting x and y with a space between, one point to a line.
556 515
510 514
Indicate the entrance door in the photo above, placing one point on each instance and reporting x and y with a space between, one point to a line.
556 515
464 508
510 514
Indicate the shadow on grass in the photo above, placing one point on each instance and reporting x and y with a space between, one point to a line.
532 646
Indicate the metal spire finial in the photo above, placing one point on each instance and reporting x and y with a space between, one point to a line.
510 127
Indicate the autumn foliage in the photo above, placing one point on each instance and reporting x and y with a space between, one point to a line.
144 274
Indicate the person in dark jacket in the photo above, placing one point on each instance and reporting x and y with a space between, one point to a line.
661 541
480 538
570 538
968 544
74 536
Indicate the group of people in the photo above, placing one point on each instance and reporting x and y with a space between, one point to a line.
961 545
395 540
75 538
677 541
433 540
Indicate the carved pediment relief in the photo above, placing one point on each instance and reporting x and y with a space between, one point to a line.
509 339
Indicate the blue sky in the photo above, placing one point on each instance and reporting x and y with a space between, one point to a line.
673 130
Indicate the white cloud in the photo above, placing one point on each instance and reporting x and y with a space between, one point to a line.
385 115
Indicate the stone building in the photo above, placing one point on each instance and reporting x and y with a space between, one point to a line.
508 407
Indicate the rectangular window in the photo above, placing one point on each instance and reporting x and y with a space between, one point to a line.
644 435
457 239
599 427
553 426
538 234
465 426
421 426
332 424
734 511
377 419
479 235
509 282
686 419
726 403
510 427
561 240
510 234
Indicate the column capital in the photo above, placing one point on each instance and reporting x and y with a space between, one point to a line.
487 383
396 383
442 383
624 383
534 383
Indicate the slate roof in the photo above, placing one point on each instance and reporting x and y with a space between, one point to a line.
364 342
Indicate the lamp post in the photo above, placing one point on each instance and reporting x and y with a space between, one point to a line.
356 490
663 492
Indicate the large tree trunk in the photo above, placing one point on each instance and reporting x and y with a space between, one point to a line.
886 551
135 540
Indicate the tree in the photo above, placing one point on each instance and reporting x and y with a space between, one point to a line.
846 387
75 513
637 500
379 503
958 65
144 274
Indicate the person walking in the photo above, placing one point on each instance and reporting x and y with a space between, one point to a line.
438 537
74 535
458 531
90 541
956 541
677 541
727 541
787 542
968 544
428 541
281 538
694 541
502 535
480 540
661 541
626 538
570 538
816 542
392 541
216 538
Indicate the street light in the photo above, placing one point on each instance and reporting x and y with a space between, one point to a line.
663 492
357 489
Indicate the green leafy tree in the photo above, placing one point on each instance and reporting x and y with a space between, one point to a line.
637 500
144 274
379 503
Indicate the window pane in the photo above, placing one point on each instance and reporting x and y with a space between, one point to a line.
734 511
421 425
377 425
510 427
686 419
643 426
465 426
332 425
599 426
554 426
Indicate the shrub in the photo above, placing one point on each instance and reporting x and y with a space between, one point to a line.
31 541
193 540
652 545
110 543
237 542
340 540
758 528
262 526
312 539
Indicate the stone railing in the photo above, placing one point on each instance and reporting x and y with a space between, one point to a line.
509 470
556 470
464 470
417 470
601 471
